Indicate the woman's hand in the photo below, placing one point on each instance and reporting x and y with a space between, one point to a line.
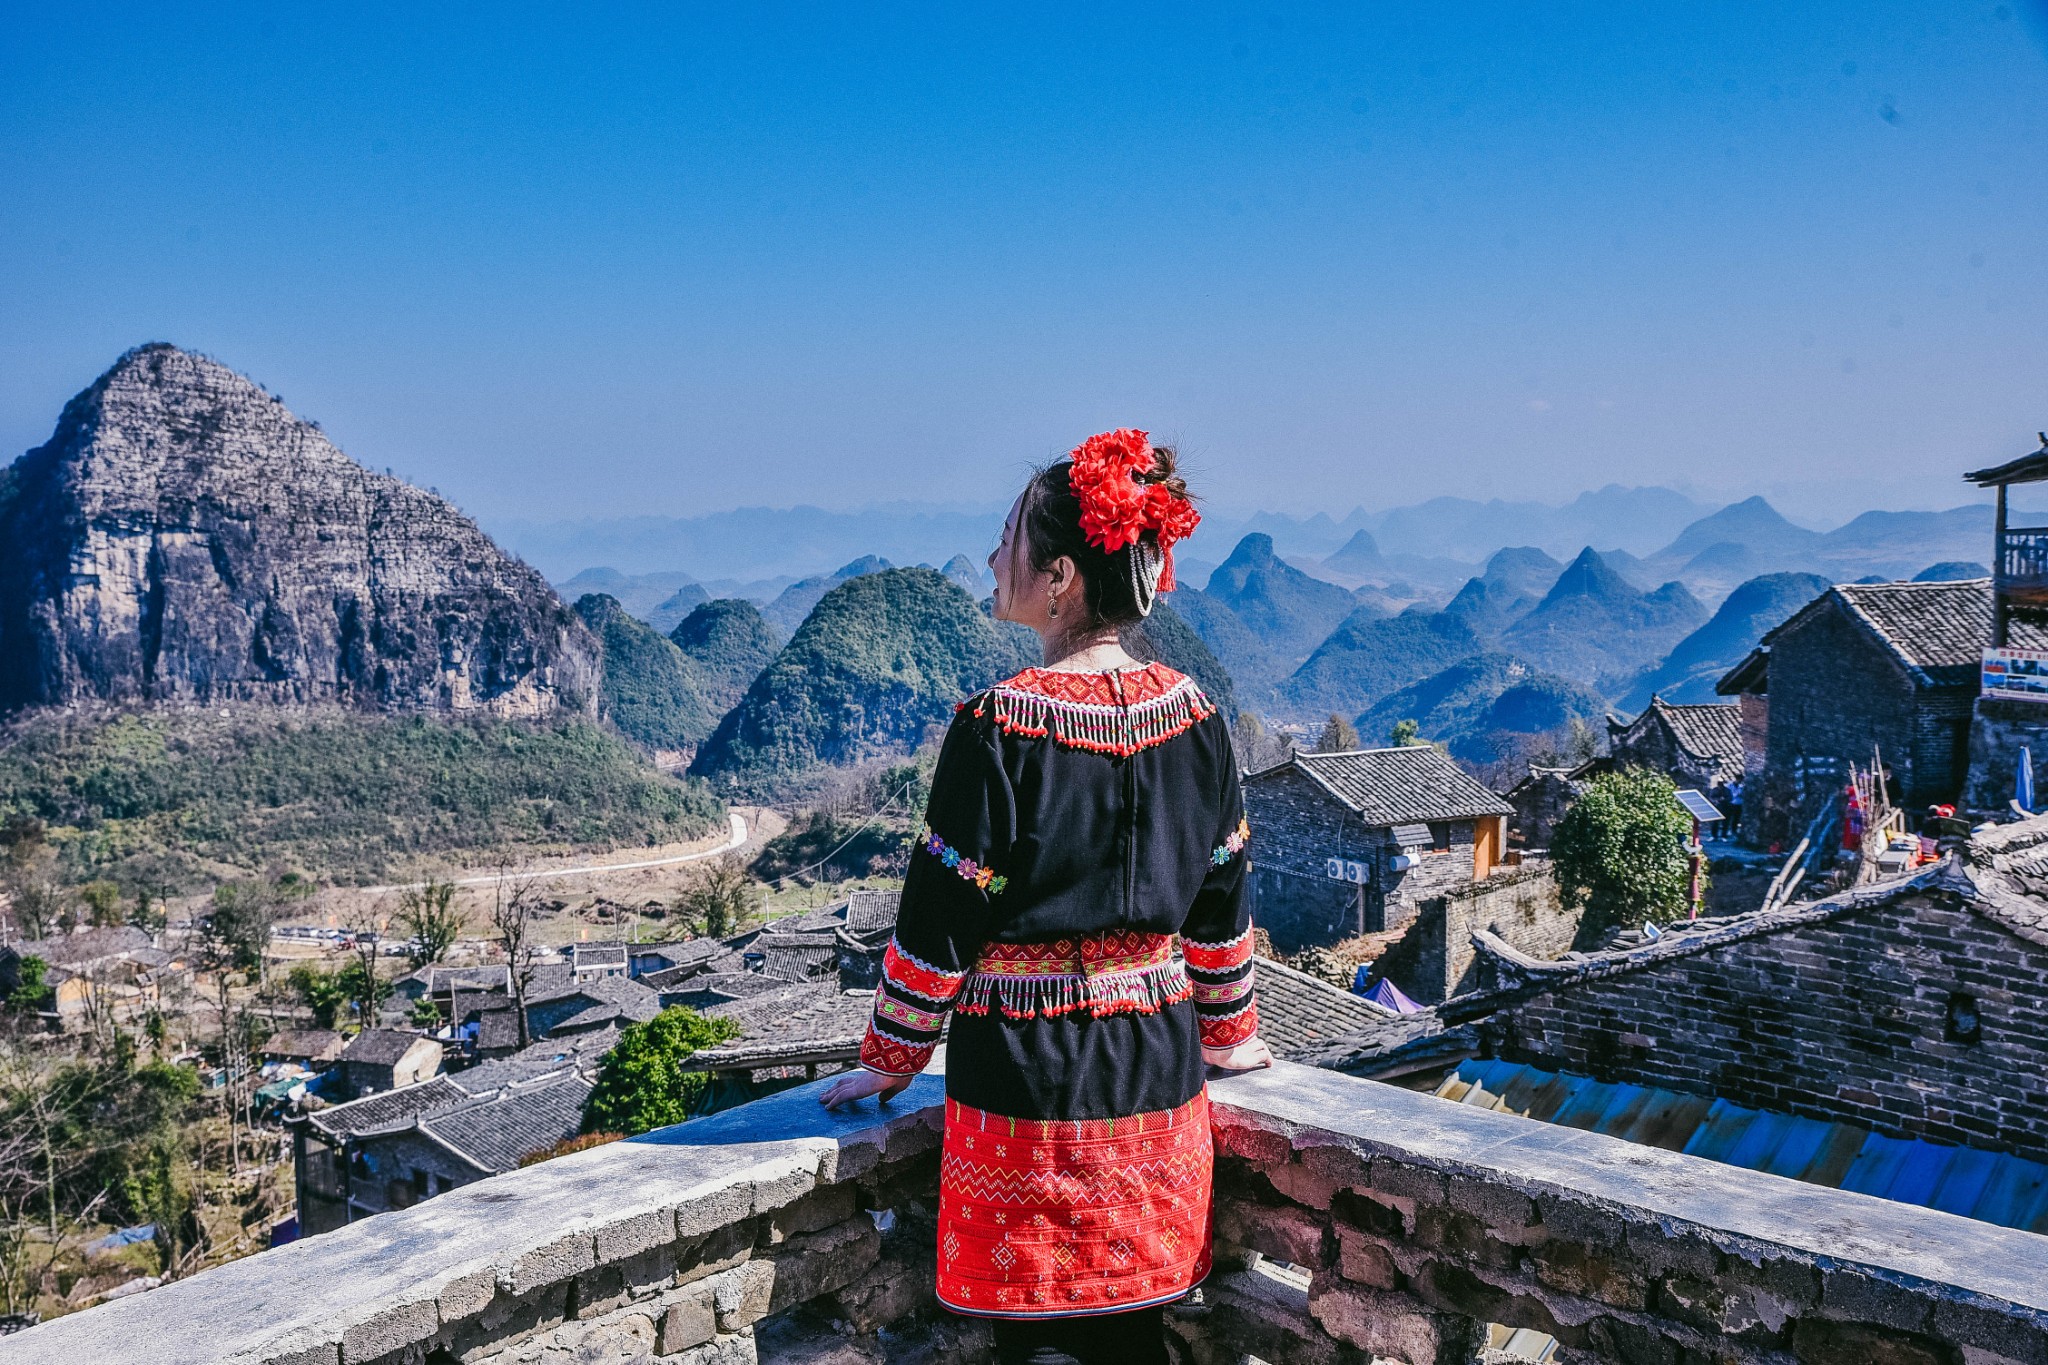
858 1085
1249 1055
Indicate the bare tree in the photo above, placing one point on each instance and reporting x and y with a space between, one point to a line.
366 990
514 901
430 916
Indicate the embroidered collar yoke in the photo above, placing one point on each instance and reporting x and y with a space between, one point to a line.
1076 913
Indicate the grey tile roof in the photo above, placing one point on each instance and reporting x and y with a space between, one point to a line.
796 956
799 1020
86 945
598 956
317 1043
379 1046
868 911
1711 731
468 1003
1937 630
681 953
1397 786
495 1130
497 1029
442 980
1299 1013
387 1109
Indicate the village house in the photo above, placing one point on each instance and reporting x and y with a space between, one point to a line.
1352 843
1539 801
93 975
392 1149
380 1059
1696 745
1866 672
313 1049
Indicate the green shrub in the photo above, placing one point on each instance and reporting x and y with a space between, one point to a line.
1620 851
641 1085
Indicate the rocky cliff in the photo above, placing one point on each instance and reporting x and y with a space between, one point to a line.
183 536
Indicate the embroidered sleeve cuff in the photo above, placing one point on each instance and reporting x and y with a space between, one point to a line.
1215 958
1231 1029
890 1057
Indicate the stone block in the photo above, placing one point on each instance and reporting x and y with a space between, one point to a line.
716 1210
467 1295
1816 1341
1596 1273
718 1250
1387 1325
740 1296
1259 1146
2010 1334
1363 1260
631 1236
1283 1232
737 1349
328 1354
1343 1167
1302 1185
1381 1215
690 1319
394 1329
561 1259
785 1189
507 1319
820 1208
1852 1296
1507 1212
1575 1220
1658 1252
820 1262
1405 1181
887 1292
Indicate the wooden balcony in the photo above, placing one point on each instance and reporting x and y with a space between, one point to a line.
2022 567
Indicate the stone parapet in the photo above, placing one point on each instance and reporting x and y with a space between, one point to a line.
1386 1224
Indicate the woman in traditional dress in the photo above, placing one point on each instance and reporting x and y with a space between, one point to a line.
1076 899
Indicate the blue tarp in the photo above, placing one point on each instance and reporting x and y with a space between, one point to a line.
114 1241
1383 993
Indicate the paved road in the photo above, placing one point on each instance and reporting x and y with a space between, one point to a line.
733 841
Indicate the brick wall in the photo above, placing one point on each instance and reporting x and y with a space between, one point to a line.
1435 959
1755 713
1844 1018
1835 694
1997 730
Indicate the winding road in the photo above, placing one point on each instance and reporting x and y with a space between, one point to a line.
737 837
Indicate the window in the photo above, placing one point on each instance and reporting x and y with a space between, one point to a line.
1439 838
1964 1023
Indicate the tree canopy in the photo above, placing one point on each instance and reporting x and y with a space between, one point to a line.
641 1084
1620 850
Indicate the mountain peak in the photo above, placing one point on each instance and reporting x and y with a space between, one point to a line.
1590 575
156 548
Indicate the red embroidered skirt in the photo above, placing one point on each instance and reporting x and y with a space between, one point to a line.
1062 1217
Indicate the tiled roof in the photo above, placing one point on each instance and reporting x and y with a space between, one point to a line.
387 1108
468 1003
682 953
1937 630
796 1021
796 956
1299 1012
497 1029
868 911
303 1042
442 980
495 1130
379 1046
87 945
1705 730
597 956
1397 786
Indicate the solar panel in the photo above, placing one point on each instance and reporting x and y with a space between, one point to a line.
1699 807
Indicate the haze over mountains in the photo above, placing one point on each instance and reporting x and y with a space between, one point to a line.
184 538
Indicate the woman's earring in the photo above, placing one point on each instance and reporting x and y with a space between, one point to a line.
1052 604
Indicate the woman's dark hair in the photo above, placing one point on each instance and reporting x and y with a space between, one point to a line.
1051 524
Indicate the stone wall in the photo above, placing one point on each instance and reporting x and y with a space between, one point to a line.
1837 1010
1835 695
1297 827
1998 728
1404 1224
1435 960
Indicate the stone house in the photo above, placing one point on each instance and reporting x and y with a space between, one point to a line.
1884 669
583 1006
1352 843
100 973
392 1149
312 1048
1539 801
1696 745
1917 1007
380 1059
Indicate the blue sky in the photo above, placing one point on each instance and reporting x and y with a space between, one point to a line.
561 263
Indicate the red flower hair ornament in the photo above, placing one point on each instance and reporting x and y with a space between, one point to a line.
1117 508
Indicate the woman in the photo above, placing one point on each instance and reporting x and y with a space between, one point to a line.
1082 816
